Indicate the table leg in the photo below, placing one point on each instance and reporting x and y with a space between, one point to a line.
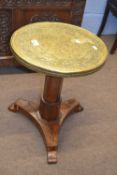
49 114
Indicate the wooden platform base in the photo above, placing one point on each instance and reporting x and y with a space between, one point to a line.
49 129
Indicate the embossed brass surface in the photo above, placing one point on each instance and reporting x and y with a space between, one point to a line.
59 49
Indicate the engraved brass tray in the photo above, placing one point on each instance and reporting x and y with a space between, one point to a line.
58 49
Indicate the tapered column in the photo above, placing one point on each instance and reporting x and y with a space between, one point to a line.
50 102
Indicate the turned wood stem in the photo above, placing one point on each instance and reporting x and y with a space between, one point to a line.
52 89
50 102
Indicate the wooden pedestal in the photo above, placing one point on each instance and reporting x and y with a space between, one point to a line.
49 114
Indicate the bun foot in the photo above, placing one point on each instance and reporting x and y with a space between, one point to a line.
13 108
52 157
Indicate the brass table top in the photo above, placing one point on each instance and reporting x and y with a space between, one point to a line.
58 49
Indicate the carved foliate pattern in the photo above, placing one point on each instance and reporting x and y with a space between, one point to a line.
4 32
20 3
77 11
45 17
6 7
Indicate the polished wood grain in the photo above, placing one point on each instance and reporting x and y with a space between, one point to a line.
49 114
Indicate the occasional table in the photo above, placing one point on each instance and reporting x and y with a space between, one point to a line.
58 50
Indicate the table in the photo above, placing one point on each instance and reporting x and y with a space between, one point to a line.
58 50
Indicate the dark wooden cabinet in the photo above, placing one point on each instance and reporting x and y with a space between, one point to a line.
16 13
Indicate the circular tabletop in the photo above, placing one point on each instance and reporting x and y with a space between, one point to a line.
58 49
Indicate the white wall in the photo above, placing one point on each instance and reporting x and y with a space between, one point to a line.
93 15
